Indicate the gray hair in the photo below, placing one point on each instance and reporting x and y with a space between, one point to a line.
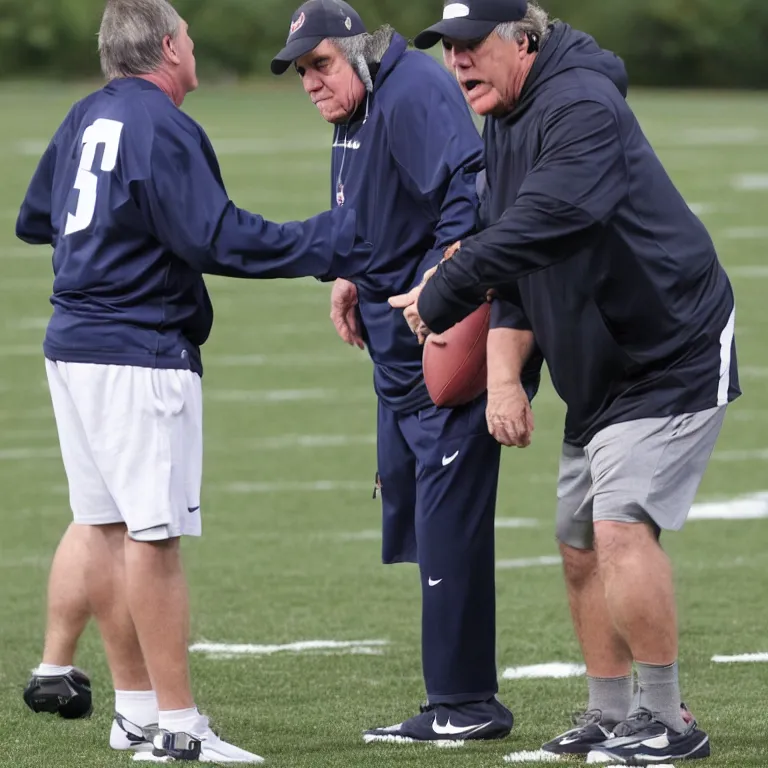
535 21
362 51
131 36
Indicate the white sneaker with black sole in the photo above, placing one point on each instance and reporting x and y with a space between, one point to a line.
201 745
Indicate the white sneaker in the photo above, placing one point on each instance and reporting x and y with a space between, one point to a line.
126 736
202 745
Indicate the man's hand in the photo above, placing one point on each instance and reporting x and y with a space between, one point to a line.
509 415
409 302
344 312
508 412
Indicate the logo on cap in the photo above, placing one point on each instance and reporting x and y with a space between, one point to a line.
298 24
348 23
455 11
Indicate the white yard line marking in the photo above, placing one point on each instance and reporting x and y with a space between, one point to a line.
534 756
750 182
752 507
24 252
701 209
288 146
738 456
288 361
19 284
744 658
27 454
27 561
343 397
516 522
554 670
297 487
746 233
357 536
756 271
716 137
234 650
750 415
22 350
308 441
29 323
529 562
754 372
393 738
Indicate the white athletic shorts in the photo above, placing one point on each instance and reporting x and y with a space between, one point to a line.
132 443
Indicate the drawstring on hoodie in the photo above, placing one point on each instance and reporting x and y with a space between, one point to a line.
339 183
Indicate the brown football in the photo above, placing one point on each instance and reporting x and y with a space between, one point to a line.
456 372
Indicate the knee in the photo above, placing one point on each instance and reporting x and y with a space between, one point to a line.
579 565
617 541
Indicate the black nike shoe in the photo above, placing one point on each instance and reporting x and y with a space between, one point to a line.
581 740
643 740
480 720
66 695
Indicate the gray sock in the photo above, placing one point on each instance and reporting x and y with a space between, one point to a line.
659 690
612 696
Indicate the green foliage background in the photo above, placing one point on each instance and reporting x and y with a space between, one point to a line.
701 43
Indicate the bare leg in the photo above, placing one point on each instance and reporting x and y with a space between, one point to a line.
638 589
109 603
159 604
606 654
68 606
640 596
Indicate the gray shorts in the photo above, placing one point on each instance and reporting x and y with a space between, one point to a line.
643 471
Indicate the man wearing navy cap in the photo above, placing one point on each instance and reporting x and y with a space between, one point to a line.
635 318
406 155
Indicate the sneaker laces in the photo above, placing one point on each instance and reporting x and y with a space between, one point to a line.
427 707
638 721
590 717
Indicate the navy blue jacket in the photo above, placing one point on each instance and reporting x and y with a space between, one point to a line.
619 279
407 162
130 195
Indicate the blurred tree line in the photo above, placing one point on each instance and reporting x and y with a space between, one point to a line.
712 43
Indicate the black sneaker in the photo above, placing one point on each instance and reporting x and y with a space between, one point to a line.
643 740
582 739
66 695
480 720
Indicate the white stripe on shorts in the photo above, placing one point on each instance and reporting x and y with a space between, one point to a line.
726 341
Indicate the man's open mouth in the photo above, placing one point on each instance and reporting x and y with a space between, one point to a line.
470 85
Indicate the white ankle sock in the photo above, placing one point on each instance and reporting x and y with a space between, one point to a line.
181 721
139 707
52 670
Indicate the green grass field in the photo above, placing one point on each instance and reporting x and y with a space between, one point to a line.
290 551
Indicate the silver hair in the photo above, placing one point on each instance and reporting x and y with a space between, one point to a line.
535 21
361 51
131 36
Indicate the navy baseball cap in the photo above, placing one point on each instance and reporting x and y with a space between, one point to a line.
312 23
466 20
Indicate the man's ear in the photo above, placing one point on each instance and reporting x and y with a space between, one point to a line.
169 50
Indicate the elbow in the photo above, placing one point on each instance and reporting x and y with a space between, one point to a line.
34 232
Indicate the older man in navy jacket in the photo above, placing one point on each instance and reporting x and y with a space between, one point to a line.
406 156
635 318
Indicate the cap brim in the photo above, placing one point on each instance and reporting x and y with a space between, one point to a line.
294 50
456 29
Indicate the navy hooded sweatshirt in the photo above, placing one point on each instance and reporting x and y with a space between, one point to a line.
407 162
620 281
